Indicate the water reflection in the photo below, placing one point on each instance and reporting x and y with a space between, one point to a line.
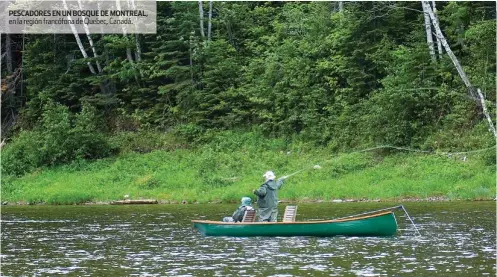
157 240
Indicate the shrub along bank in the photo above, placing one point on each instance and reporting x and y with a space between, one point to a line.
230 165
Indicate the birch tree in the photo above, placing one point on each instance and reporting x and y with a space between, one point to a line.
439 43
129 54
485 111
138 53
201 13
471 90
90 40
429 37
209 25
78 40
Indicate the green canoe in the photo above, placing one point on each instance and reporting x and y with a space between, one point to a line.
378 224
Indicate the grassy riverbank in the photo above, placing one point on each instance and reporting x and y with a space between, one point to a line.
227 169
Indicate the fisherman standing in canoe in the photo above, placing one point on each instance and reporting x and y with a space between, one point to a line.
267 197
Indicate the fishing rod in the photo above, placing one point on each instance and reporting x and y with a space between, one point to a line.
373 212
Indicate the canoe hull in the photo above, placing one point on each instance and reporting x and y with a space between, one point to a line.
383 224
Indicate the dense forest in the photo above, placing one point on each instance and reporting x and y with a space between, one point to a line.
342 75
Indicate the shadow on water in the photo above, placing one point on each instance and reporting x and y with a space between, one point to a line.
458 239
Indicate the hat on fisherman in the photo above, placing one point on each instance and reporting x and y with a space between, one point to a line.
269 175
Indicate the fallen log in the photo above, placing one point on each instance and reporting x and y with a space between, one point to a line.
130 202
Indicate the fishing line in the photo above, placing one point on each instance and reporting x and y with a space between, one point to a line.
317 166
415 228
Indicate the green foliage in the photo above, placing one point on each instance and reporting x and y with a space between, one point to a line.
60 139
302 73
190 133
144 141
23 154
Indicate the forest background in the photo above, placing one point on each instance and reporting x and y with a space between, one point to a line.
227 90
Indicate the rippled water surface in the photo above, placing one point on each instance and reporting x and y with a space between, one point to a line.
458 239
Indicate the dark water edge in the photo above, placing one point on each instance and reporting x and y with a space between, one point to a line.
457 239
283 201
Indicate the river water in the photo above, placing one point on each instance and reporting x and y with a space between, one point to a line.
457 239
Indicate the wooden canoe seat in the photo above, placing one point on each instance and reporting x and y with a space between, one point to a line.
249 216
290 214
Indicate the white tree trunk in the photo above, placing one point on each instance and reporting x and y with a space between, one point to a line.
429 37
485 112
340 6
87 30
201 12
138 53
440 36
439 44
78 40
138 48
129 54
99 12
118 7
209 25
455 61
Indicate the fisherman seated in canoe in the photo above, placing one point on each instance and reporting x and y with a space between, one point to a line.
240 212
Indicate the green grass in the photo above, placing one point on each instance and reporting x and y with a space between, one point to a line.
231 165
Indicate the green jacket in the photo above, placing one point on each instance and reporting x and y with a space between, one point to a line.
240 212
267 194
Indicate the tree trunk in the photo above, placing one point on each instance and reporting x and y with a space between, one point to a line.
129 54
78 40
440 36
439 44
87 30
11 80
201 12
455 61
8 54
429 37
99 12
138 53
340 6
230 34
209 25
191 60
485 112
138 48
